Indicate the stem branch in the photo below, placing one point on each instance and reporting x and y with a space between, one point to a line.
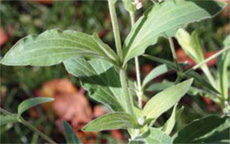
173 53
44 136
31 127
137 66
210 58
116 32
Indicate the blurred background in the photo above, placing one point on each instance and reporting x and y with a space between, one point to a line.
72 103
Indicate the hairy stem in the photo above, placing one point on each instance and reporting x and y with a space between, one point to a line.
116 32
31 127
137 66
125 88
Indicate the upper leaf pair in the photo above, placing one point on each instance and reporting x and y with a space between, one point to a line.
163 19
54 46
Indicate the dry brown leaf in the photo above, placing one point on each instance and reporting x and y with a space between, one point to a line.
74 108
69 104
3 36
54 87
98 111
43 1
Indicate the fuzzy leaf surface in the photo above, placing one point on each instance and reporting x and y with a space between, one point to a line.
201 130
111 121
165 99
53 47
163 20
100 79
25 105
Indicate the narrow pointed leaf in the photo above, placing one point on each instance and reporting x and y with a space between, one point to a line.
201 80
163 61
163 19
189 73
204 128
169 125
25 105
224 65
159 86
53 47
70 135
100 79
118 120
164 100
155 73
5 119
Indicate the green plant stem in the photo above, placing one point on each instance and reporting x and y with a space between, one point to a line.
116 32
137 66
27 124
206 70
172 48
210 58
45 137
125 88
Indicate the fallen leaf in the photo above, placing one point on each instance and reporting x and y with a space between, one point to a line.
74 108
54 87
98 111
3 36
43 1
69 104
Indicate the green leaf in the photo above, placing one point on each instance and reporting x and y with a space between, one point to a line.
163 20
25 105
159 86
224 65
155 136
204 128
189 73
5 119
100 78
53 47
200 79
190 44
169 125
154 73
227 41
129 6
163 61
164 100
70 134
111 121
